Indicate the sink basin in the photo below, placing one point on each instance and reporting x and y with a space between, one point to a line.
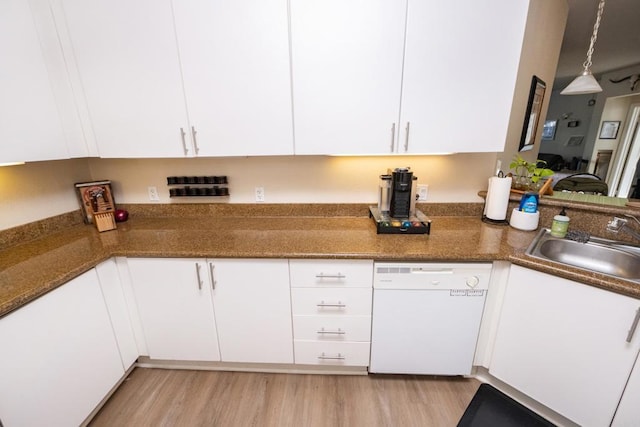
601 255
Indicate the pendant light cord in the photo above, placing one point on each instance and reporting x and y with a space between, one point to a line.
587 63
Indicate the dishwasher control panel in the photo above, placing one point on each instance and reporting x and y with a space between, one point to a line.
433 276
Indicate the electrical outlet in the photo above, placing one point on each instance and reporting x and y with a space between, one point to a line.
153 194
259 194
423 191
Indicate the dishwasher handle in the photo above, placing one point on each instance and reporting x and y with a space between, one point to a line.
432 271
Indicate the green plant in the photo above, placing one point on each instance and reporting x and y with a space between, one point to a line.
529 170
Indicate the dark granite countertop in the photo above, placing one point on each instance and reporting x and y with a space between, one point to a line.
31 269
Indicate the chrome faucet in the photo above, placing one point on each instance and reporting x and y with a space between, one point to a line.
617 224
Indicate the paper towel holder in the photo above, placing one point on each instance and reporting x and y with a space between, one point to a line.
494 221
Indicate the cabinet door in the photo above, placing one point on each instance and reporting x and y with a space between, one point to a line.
173 297
459 74
118 311
30 125
628 413
564 344
127 57
59 357
253 310
235 62
347 71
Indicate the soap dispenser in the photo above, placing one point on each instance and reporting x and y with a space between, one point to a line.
560 224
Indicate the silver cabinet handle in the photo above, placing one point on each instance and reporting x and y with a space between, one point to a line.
406 140
339 304
195 141
198 276
634 326
338 332
184 141
393 137
339 356
331 276
213 277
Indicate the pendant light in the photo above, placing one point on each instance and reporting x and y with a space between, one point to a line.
585 82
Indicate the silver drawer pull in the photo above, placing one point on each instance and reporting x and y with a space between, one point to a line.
339 304
339 356
338 332
634 326
331 276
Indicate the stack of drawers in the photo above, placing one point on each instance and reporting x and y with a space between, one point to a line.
331 304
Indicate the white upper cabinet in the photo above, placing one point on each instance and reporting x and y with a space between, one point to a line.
395 77
188 78
30 125
460 69
127 58
347 71
235 62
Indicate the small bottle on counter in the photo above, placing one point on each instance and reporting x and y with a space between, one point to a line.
560 224
529 203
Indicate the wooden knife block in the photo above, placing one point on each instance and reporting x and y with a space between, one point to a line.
104 221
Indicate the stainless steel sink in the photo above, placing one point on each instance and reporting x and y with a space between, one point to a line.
604 256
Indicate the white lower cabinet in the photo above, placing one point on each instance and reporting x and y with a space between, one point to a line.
232 310
59 356
173 298
331 306
566 345
115 299
628 413
253 310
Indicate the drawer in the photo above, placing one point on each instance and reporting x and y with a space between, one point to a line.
331 273
331 353
335 302
332 328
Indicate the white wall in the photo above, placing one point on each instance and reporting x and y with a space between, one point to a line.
577 107
39 190
299 179
540 51
608 90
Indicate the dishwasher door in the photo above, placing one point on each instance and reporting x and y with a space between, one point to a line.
426 317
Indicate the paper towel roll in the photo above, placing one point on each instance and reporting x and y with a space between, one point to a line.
497 201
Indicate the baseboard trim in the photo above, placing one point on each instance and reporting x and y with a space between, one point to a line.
146 362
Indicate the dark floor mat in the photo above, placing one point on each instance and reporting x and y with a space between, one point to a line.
491 408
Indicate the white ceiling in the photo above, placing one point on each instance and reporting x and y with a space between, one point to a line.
618 43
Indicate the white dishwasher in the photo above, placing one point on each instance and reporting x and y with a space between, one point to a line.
426 317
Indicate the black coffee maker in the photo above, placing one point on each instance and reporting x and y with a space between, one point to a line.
396 212
401 202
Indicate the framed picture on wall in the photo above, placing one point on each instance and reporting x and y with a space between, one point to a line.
574 140
549 130
609 130
532 115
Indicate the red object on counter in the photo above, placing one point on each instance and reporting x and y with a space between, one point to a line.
121 215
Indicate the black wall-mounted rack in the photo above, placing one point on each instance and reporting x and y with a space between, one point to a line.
196 187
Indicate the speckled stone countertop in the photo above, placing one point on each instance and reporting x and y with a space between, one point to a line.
31 269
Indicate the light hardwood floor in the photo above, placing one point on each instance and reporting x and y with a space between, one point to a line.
159 397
